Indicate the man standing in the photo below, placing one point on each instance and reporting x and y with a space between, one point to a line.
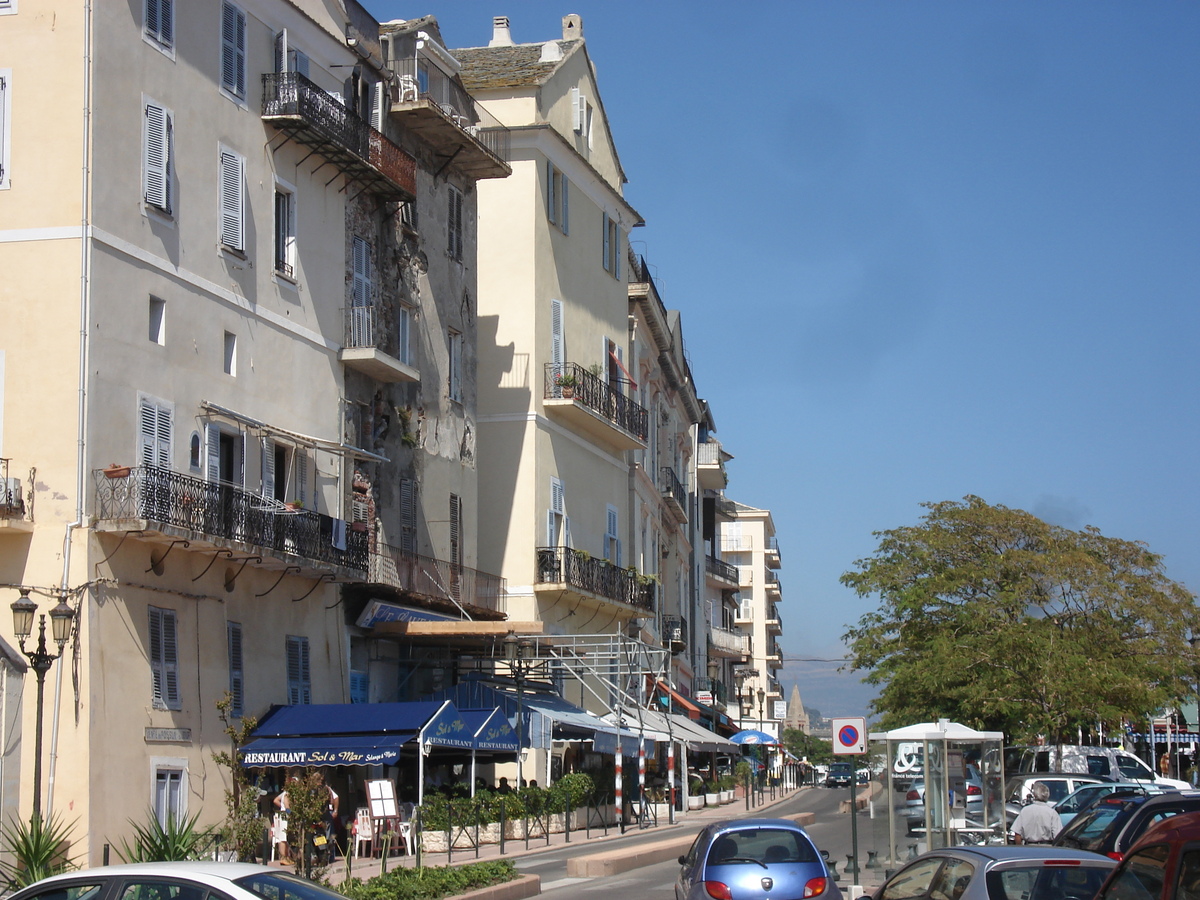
1038 822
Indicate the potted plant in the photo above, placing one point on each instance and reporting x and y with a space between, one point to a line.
566 382
112 470
712 794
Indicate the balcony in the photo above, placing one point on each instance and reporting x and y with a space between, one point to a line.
12 503
714 688
710 466
720 572
167 506
317 119
562 569
674 494
774 658
774 588
771 552
437 582
727 644
674 633
588 404
773 623
372 347
437 109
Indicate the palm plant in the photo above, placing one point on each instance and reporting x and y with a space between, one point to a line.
154 841
37 848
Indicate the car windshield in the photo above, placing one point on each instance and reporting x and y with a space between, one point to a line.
840 769
1042 882
761 845
281 886
1087 831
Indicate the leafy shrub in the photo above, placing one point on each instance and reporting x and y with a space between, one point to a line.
155 842
429 883
38 850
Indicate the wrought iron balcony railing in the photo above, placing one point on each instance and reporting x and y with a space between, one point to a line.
672 489
729 641
232 513
12 500
718 568
366 327
570 381
436 579
674 632
562 565
714 686
319 120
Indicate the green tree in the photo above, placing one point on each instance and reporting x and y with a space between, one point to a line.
802 746
243 828
994 618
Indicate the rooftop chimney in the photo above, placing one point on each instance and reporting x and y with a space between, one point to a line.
501 36
572 27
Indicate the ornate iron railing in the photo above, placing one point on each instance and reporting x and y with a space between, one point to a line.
562 565
429 577
319 119
718 568
714 686
674 631
455 103
229 512
12 503
672 488
570 381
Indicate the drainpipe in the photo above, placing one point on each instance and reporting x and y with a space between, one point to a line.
85 266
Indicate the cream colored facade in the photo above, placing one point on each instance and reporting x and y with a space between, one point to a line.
748 541
189 232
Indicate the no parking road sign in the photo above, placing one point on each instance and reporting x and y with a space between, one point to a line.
849 736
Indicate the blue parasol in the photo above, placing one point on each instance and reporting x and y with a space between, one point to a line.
751 736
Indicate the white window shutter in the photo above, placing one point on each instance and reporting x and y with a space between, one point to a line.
606 247
557 497
233 49
557 345
3 129
212 448
281 52
300 62
363 289
567 531
268 467
170 661
564 224
551 198
577 106
551 522
157 157
156 654
616 239
232 189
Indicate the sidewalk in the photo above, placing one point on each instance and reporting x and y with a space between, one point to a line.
689 821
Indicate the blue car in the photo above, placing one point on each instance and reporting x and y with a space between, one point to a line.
754 859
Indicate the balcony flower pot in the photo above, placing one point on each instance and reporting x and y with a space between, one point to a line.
359 527
114 471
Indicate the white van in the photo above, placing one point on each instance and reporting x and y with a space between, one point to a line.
1105 762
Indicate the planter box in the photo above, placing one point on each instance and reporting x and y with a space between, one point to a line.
695 801
435 841
726 796
712 799
662 812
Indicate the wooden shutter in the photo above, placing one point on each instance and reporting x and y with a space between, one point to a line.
557 345
362 287
233 49
160 21
236 670
212 453
616 249
455 531
281 52
232 188
268 467
456 347
3 129
551 199
299 684
408 515
164 661
157 157
606 246
154 434
564 224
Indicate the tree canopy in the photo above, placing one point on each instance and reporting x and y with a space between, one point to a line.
994 618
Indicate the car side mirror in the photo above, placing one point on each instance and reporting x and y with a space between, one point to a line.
683 860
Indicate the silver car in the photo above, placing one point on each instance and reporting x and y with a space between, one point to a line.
754 859
999 873
177 881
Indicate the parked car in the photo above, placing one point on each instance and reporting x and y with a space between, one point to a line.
1084 798
179 881
999 873
839 775
754 858
1112 763
914 800
1115 823
1164 864
1017 790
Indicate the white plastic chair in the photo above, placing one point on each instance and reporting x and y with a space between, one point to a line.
364 830
404 827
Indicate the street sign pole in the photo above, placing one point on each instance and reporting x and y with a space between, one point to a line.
850 739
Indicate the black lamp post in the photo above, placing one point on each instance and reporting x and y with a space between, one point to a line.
519 652
41 661
762 695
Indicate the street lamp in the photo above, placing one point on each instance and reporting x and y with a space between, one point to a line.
762 695
41 661
519 652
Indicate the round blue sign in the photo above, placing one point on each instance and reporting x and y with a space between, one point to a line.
848 736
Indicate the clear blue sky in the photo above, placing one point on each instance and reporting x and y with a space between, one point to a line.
922 250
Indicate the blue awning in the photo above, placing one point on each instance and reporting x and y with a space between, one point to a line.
325 751
491 730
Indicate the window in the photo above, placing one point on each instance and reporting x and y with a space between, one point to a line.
558 526
403 333
557 191
158 314
1142 876
158 24
154 433
582 114
5 118
612 541
611 246
408 516
408 215
455 244
8 7
230 354
285 230
164 662
233 50
225 455
363 287
454 342
299 683
233 633
157 157
170 791
233 189
288 58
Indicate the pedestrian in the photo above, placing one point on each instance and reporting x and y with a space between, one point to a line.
1038 822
